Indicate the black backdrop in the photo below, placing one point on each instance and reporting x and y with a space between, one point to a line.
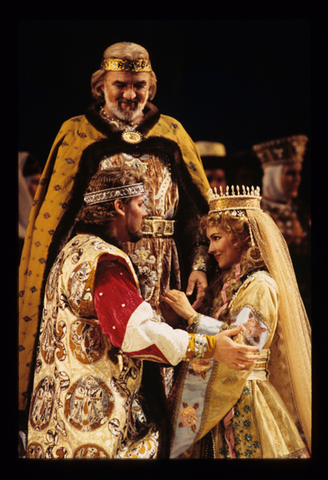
239 82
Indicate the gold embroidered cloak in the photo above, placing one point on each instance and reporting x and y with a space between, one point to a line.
81 142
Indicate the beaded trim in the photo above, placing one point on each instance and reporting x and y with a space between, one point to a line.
200 346
120 64
110 194
158 227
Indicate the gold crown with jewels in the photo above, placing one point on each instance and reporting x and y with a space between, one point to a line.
236 201
281 151
111 194
124 65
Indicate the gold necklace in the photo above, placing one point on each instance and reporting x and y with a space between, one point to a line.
128 133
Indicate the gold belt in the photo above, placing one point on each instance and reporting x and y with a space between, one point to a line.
260 371
158 227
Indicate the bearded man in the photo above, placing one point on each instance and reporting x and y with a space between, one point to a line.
120 127
96 331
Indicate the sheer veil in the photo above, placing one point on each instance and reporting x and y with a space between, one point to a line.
290 359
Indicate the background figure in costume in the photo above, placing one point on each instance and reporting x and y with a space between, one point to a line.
96 331
120 127
266 411
29 174
213 155
282 163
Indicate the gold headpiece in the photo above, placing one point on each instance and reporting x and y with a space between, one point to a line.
210 149
123 65
282 151
114 193
234 202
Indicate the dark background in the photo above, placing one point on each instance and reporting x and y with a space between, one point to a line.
238 82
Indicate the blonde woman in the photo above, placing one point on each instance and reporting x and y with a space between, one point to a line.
265 411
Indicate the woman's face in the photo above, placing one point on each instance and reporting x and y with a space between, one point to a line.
222 248
291 179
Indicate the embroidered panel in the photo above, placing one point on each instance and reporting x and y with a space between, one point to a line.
85 396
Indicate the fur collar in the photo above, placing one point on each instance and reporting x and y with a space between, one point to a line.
151 117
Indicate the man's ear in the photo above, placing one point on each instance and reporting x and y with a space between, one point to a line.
119 207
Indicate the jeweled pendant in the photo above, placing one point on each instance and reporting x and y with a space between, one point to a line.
131 137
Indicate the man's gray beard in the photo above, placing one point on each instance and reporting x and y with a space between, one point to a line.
127 116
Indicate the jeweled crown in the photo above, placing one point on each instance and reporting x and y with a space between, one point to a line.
111 194
124 65
282 151
234 201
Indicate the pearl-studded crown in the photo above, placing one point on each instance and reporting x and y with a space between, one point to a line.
234 201
282 151
111 194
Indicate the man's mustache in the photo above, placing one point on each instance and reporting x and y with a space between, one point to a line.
128 102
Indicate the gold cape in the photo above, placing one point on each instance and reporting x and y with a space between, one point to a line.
50 202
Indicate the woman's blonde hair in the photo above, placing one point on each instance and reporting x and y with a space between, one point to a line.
124 50
239 234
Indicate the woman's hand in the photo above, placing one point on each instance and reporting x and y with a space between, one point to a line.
179 302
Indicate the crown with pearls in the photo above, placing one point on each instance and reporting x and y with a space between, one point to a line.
236 201
111 194
124 65
282 151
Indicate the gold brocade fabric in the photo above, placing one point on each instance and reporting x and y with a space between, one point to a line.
49 205
261 423
52 196
85 400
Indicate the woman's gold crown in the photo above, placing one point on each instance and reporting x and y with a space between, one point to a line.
234 201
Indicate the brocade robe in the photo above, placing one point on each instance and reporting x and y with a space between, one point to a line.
94 334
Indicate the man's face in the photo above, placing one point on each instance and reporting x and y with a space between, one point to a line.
216 178
291 179
126 93
134 214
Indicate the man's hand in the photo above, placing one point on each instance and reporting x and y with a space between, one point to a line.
198 279
235 355
170 316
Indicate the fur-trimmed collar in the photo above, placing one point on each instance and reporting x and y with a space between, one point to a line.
151 117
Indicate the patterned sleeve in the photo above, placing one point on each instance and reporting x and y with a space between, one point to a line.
256 308
130 323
